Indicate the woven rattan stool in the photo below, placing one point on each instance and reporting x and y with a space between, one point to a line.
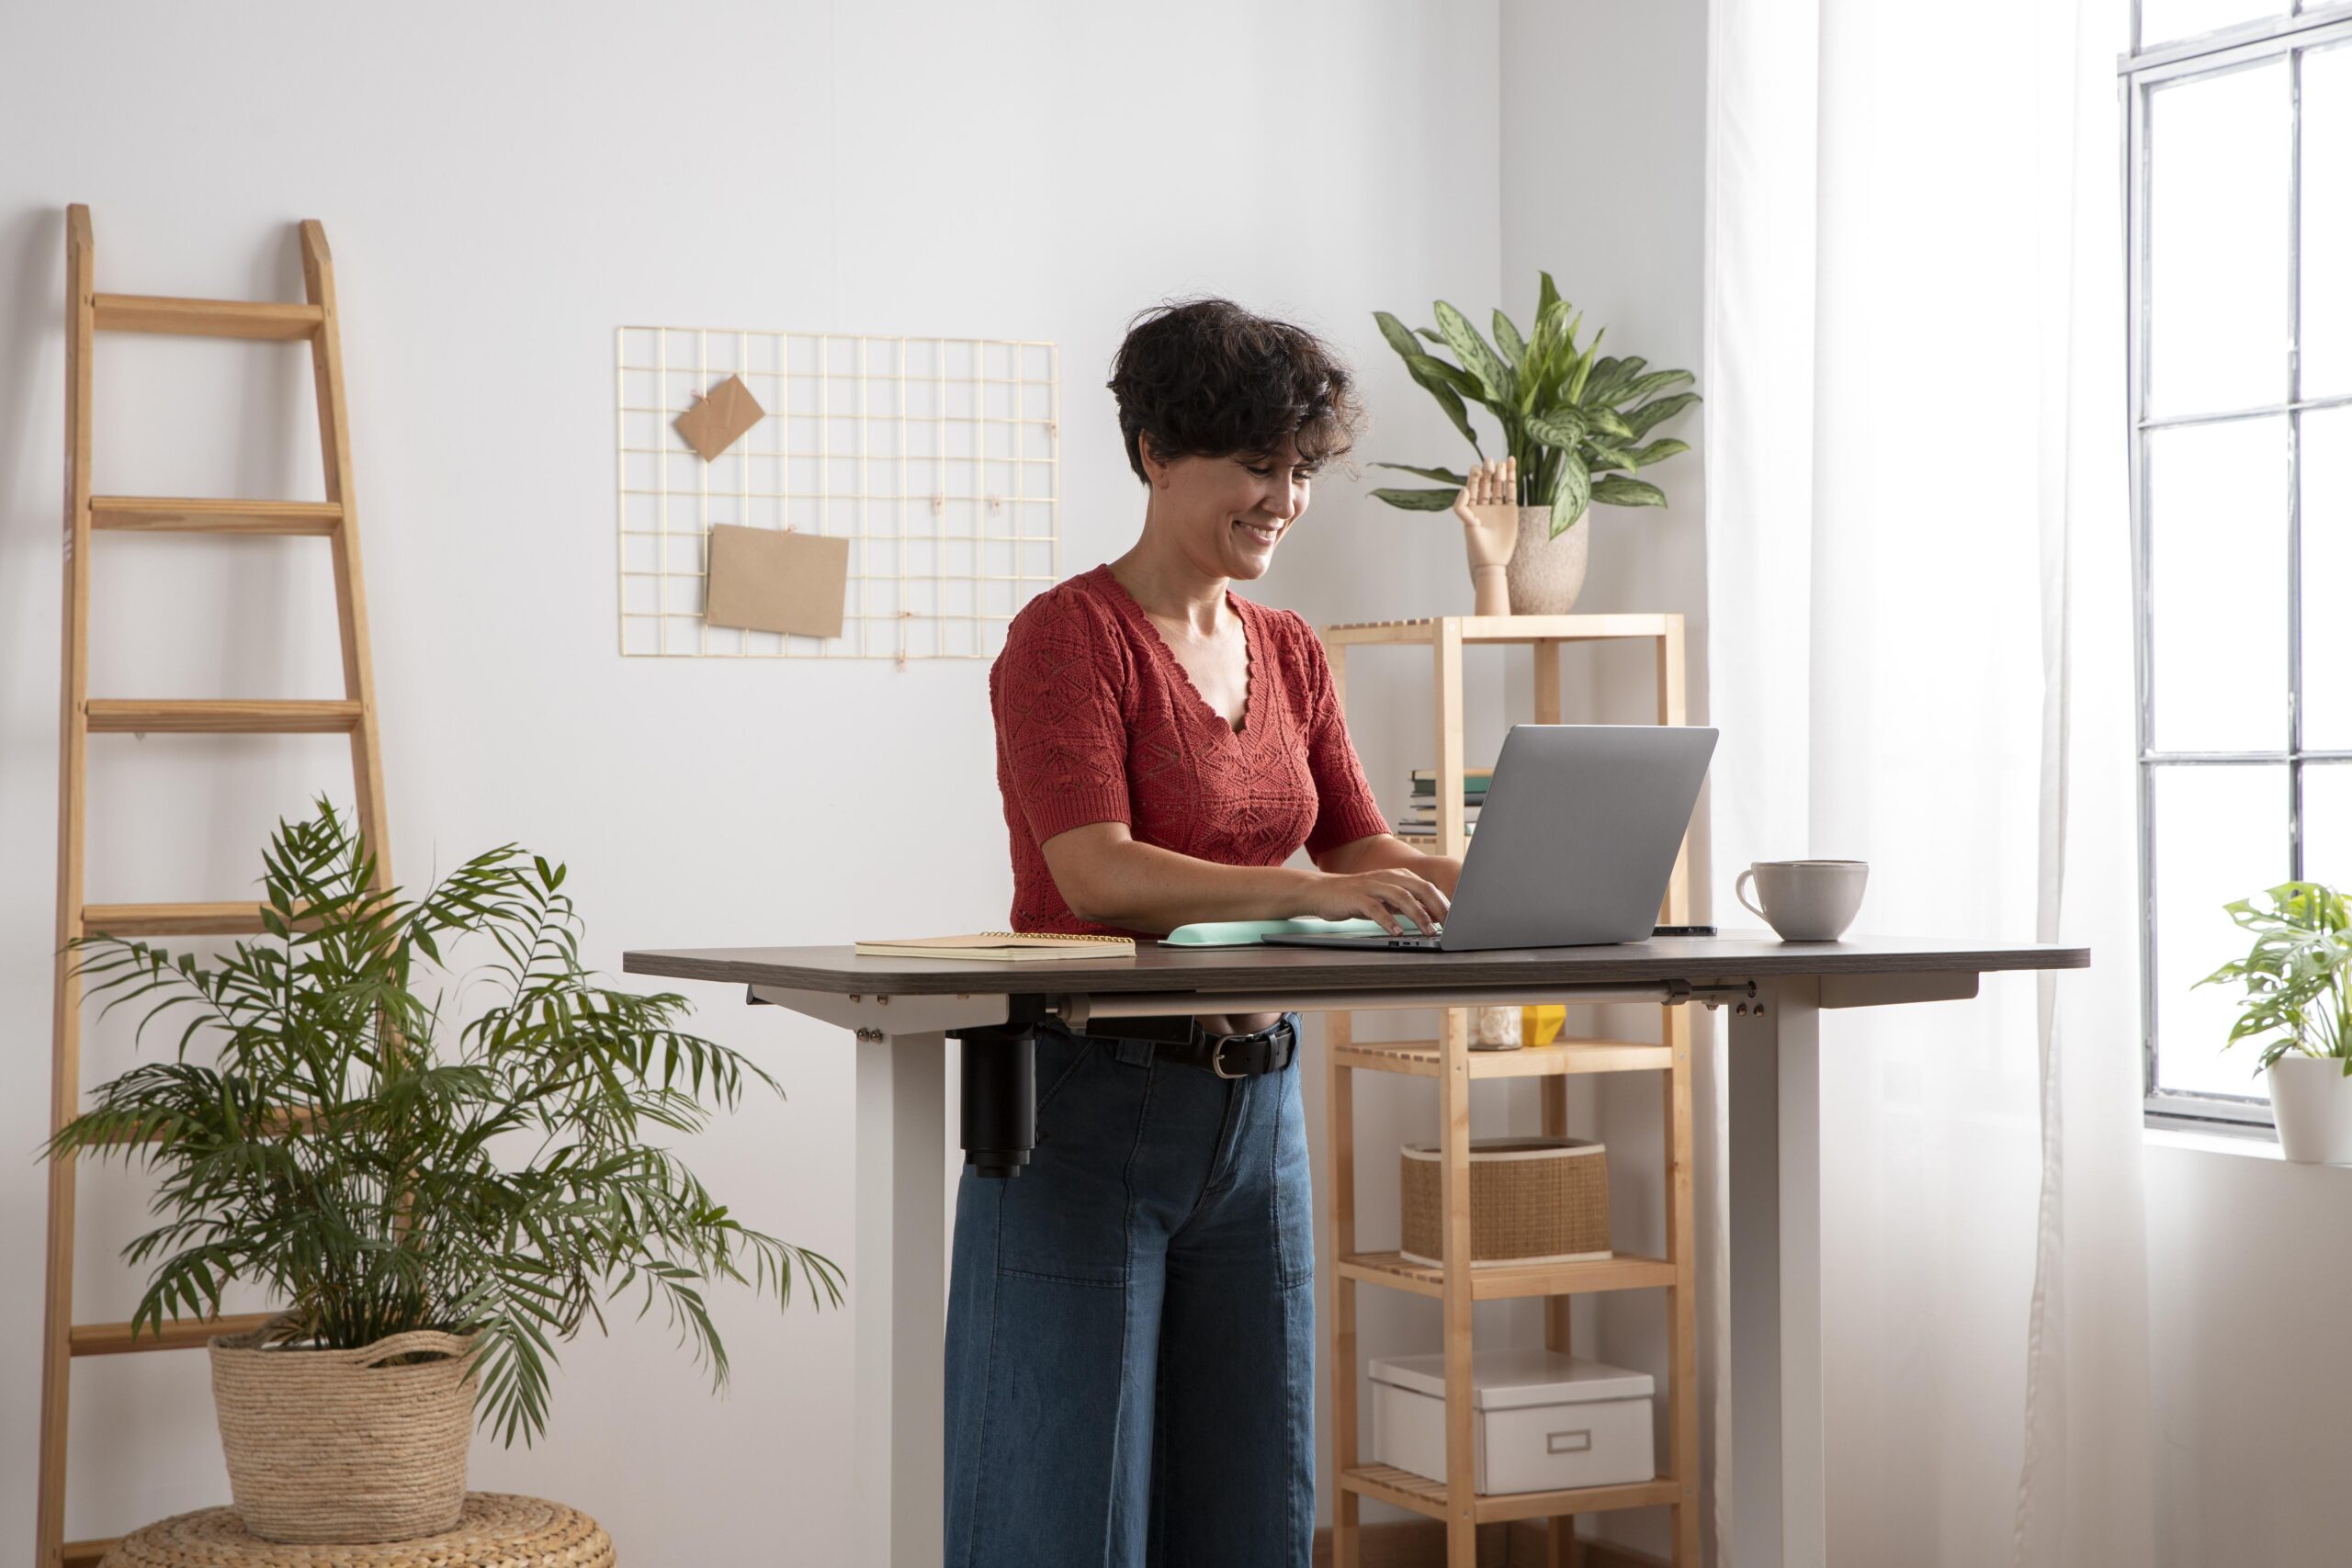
496 1531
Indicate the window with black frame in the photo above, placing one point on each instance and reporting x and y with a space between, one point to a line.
2238 127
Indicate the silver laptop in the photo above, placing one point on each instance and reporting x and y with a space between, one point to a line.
1575 844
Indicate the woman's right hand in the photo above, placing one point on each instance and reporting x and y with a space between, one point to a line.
1379 896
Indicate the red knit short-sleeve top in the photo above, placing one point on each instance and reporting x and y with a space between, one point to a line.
1097 722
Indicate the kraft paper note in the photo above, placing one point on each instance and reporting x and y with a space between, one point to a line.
773 581
719 417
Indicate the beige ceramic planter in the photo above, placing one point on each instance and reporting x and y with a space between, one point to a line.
1546 574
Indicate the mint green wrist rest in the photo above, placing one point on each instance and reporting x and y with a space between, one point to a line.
1244 933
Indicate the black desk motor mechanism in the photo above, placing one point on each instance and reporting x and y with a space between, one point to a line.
1000 1114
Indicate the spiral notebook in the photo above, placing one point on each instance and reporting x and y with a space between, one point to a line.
1006 947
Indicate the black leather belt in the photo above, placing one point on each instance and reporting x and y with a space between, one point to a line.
1182 1040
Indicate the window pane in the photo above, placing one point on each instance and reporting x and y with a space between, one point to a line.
2221 834
2161 21
2327 221
2217 150
2217 585
2327 578
2327 824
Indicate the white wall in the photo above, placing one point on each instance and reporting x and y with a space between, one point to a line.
502 187
1603 153
2248 1276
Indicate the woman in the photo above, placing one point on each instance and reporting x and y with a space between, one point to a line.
1131 1321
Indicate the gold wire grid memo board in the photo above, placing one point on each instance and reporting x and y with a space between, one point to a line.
937 459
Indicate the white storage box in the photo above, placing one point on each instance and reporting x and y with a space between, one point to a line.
1539 1421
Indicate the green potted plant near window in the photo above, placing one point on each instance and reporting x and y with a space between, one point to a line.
2298 980
438 1204
1575 430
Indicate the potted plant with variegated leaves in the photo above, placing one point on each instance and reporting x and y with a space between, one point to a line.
2298 1009
1575 428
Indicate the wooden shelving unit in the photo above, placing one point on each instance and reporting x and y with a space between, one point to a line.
1449 1060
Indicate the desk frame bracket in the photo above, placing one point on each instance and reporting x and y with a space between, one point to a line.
877 1016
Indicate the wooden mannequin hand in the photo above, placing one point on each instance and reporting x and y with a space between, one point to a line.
1488 507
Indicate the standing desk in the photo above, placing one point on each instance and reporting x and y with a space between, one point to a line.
900 1009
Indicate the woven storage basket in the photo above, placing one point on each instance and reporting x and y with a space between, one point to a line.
1532 1201
337 1448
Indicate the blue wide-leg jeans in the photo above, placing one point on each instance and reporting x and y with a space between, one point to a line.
1131 1325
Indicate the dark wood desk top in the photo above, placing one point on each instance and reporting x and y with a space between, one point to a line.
1238 969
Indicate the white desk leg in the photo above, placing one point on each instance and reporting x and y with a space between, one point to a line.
1778 1499
899 1296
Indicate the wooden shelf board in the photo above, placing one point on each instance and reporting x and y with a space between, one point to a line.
1419 1058
1504 1282
1577 1500
1413 1057
1403 1489
1397 1488
1505 628
86 1554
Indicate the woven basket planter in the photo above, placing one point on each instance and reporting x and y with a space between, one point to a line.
1532 1201
338 1448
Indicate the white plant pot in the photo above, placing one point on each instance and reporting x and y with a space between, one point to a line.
1546 574
2312 1100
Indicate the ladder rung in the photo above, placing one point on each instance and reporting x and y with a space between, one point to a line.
301 1116
172 920
181 515
265 318
86 1554
221 715
188 1334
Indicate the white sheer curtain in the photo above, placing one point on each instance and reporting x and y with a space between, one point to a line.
1919 636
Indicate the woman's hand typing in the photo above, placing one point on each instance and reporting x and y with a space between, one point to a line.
1388 897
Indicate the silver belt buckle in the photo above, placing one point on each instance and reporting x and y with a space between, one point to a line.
1216 1061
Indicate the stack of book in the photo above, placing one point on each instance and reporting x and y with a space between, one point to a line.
1417 827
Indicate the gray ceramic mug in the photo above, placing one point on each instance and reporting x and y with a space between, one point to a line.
1804 900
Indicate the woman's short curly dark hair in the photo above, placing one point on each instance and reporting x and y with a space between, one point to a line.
1206 378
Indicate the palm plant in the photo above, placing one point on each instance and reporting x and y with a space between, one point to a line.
1573 419
2298 977
381 1169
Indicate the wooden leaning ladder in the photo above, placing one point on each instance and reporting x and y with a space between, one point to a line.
336 519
